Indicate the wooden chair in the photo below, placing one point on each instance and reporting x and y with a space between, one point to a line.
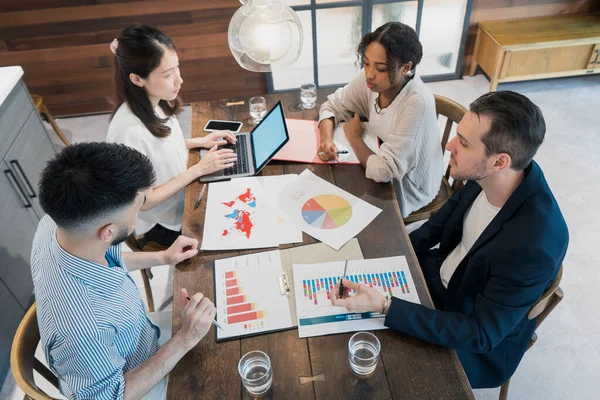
137 243
454 112
23 361
549 300
46 116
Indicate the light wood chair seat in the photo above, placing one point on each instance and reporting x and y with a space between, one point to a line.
23 361
540 310
454 113
443 195
46 116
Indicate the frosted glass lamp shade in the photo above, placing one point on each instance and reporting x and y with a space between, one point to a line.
264 32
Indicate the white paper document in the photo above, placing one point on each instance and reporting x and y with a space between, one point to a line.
248 297
313 284
325 211
342 144
243 214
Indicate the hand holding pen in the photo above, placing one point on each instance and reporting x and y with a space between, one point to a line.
366 299
197 315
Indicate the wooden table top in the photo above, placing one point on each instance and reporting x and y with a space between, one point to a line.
409 367
559 28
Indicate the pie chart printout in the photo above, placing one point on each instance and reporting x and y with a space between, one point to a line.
326 211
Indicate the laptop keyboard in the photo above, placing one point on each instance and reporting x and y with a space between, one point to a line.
240 148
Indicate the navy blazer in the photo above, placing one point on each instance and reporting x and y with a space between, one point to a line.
484 311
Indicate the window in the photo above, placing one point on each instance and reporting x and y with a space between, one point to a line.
334 28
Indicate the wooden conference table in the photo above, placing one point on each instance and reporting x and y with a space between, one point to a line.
408 368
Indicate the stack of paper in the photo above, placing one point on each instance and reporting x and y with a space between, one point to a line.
325 211
313 284
243 214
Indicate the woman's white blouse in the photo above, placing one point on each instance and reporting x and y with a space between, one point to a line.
168 156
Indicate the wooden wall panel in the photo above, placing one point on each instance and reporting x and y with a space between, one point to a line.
492 10
62 46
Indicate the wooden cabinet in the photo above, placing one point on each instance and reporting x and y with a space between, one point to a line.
24 149
538 48
594 61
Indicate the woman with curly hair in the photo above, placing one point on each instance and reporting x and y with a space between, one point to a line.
401 113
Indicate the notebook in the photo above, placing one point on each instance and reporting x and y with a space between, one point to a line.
305 139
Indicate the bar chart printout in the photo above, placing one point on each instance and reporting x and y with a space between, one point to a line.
313 284
248 297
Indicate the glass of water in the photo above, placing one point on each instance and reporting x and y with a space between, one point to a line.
255 370
308 95
363 352
258 109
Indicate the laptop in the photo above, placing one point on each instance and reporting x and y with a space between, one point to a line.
254 149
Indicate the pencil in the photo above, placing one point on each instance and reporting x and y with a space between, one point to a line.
338 152
343 277
197 204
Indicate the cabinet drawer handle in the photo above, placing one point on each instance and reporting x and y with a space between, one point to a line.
15 163
595 61
14 183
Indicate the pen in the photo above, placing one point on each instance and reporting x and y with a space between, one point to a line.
215 323
197 204
338 152
342 280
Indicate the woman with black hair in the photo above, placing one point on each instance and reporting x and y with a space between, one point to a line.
401 113
147 82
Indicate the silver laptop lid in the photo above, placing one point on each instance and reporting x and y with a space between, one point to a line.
268 137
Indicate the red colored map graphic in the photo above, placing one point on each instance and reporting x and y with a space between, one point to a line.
242 218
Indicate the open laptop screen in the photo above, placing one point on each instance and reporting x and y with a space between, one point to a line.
269 136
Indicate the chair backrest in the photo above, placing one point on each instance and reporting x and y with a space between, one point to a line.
133 243
454 112
548 301
22 357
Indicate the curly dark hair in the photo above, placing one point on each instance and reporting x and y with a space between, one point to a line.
401 45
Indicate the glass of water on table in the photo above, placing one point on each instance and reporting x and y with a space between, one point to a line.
308 96
256 373
363 353
258 109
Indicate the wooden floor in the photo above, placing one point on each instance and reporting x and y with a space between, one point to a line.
62 46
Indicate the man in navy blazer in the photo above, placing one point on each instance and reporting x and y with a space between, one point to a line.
502 239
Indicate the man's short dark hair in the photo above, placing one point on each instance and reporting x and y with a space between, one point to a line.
518 126
86 181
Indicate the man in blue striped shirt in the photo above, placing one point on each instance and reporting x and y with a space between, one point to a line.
95 332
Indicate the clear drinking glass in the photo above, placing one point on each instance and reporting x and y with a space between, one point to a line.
258 109
255 370
363 352
308 95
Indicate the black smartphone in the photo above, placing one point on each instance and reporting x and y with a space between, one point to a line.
216 125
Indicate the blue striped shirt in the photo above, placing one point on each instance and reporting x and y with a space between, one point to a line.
93 324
